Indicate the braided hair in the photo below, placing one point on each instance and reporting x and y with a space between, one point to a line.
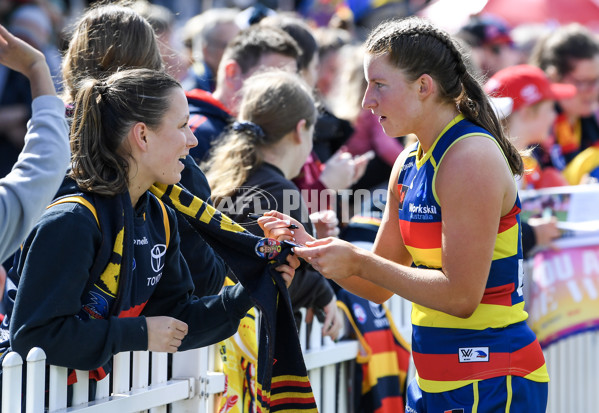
417 47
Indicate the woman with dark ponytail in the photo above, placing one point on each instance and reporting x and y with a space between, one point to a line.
449 241
112 36
102 272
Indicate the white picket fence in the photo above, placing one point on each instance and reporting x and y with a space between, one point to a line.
573 365
135 387
140 381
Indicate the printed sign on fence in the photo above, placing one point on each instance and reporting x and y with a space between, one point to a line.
564 296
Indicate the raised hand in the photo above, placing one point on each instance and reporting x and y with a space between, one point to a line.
24 58
339 171
326 223
360 164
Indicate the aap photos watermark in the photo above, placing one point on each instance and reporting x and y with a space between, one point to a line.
346 203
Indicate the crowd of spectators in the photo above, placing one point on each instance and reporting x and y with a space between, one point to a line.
549 77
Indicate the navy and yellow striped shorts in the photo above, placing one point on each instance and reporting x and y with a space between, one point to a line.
497 395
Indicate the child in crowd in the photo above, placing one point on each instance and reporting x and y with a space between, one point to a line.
262 152
249 170
532 115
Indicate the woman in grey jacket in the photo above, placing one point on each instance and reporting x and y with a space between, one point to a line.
41 167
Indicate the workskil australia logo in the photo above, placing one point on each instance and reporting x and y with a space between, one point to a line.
422 212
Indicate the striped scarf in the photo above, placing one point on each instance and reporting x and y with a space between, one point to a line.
282 378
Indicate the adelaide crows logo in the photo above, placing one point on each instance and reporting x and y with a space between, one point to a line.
359 313
473 354
95 308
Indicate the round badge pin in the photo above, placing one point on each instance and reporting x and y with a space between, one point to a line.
268 248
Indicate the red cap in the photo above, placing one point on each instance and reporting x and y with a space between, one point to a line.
526 85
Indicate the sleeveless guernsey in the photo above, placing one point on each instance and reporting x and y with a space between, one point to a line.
450 352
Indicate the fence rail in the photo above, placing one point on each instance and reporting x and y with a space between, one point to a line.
573 365
140 381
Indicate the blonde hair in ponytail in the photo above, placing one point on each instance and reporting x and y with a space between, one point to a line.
274 102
